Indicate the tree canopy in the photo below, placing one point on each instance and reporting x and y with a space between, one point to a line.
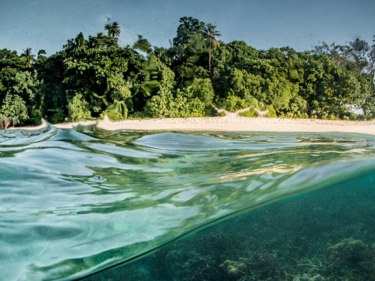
93 75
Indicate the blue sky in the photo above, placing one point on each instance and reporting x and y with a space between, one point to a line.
300 24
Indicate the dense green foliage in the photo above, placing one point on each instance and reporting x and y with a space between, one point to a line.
95 76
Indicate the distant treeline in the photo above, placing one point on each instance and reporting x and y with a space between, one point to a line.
94 76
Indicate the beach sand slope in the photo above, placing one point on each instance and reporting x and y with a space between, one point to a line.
228 123
241 124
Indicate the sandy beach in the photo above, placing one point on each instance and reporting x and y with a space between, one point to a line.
232 124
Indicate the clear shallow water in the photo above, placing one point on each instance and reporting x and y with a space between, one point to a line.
76 202
326 234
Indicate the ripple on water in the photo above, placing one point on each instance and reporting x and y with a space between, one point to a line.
81 202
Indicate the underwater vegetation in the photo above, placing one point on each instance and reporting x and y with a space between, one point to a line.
324 235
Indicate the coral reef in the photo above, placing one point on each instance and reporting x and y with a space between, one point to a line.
350 259
234 268
255 267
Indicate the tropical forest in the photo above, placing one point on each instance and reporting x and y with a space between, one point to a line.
93 76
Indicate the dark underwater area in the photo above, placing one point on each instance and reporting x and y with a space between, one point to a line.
326 234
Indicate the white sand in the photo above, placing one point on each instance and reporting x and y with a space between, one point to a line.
241 124
228 124
43 125
70 125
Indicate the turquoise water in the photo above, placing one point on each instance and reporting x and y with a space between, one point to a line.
186 206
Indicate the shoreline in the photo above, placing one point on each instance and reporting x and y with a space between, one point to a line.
235 124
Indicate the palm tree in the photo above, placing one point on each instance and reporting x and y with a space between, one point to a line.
113 29
28 57
143 45
209 34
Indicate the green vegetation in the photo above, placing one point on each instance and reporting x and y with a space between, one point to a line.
94 76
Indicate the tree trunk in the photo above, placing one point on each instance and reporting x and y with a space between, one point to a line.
209 62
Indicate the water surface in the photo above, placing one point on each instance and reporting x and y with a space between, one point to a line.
75 202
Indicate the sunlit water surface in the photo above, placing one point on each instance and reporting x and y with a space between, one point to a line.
76 202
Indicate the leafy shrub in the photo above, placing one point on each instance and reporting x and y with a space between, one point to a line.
14 106
271 112
117 111
58 116
233 103
78 108
203 90
250 113
182 104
